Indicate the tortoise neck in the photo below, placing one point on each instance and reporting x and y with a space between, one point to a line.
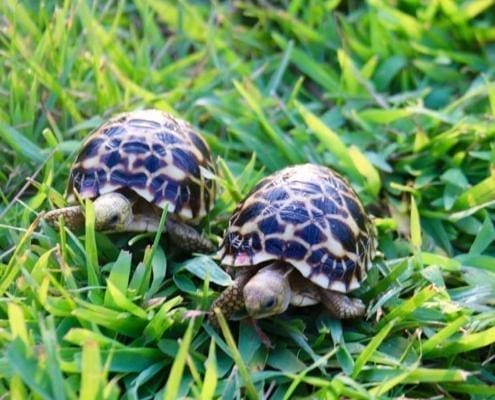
281 268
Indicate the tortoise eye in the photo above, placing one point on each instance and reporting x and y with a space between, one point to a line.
270 303
113 219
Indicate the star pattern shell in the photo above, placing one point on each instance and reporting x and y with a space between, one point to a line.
309 217
159 157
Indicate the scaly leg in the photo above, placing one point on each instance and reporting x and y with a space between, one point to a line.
342 306
230 300
73 217
187 238
262 336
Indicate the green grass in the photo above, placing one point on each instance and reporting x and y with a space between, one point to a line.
397 95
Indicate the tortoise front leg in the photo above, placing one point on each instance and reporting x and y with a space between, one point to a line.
231 300
73 217
342 306
113 212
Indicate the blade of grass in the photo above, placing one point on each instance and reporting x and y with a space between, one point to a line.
236 355
50 346
17 323
22 146
326 77
436 375
17 388
415 226
15 264
471 389
479 194
156 241
386 385
366 169
92 266
119 276
122 302
91 371
230 182
177 371
467 343
28 370
301 376
80 336
330 140
162 320
372 346
442 335
211 374
282 143
407 307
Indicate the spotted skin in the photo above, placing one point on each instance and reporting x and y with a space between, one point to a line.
309 217
72 216
230 300
153 154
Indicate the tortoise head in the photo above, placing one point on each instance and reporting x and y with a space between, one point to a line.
113 212
268 292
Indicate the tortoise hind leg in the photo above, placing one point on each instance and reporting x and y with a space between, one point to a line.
182 235
342 306
187 238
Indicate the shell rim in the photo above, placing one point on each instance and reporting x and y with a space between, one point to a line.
122 118
305 270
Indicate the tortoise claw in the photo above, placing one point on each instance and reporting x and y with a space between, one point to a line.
262 336
195 314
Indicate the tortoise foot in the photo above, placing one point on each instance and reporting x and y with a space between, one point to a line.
342 306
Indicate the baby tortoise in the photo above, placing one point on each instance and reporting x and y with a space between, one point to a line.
301 237
135 165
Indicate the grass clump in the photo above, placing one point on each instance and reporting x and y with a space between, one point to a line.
398 96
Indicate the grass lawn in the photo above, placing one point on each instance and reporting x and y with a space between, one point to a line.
398 95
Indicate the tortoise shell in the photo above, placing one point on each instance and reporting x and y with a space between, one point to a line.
152 153
309 217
